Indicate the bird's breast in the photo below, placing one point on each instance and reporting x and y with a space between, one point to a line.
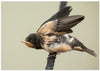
58 44
57 47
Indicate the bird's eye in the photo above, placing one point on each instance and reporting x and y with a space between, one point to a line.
31 40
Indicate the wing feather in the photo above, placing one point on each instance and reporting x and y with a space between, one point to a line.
61 25
60 14
65 24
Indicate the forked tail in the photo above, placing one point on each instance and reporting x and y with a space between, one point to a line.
90 52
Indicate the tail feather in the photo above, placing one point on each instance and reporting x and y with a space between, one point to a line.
90 52
76 42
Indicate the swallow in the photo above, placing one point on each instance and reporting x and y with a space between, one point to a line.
53 34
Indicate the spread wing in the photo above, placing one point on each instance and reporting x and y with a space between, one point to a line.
65 24
60 14
61 25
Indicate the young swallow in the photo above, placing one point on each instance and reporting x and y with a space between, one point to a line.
52 35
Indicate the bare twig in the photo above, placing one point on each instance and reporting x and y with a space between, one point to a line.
50 61
62 5
52 56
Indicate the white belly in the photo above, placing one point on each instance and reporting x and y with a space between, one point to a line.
57 47
60 46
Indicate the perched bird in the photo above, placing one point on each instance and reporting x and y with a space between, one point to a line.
53 34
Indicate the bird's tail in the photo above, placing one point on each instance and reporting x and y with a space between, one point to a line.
90 51
84 48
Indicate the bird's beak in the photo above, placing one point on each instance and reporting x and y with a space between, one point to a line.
72 20
23 42
27 43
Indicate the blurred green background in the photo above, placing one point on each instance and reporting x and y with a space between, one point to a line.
19 19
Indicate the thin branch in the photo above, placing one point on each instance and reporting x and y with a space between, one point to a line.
50 61
62 5
52 56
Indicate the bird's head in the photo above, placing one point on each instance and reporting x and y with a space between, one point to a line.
33 40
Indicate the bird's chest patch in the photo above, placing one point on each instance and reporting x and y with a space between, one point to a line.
57 47
56 44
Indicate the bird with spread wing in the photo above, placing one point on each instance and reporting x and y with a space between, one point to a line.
53 36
